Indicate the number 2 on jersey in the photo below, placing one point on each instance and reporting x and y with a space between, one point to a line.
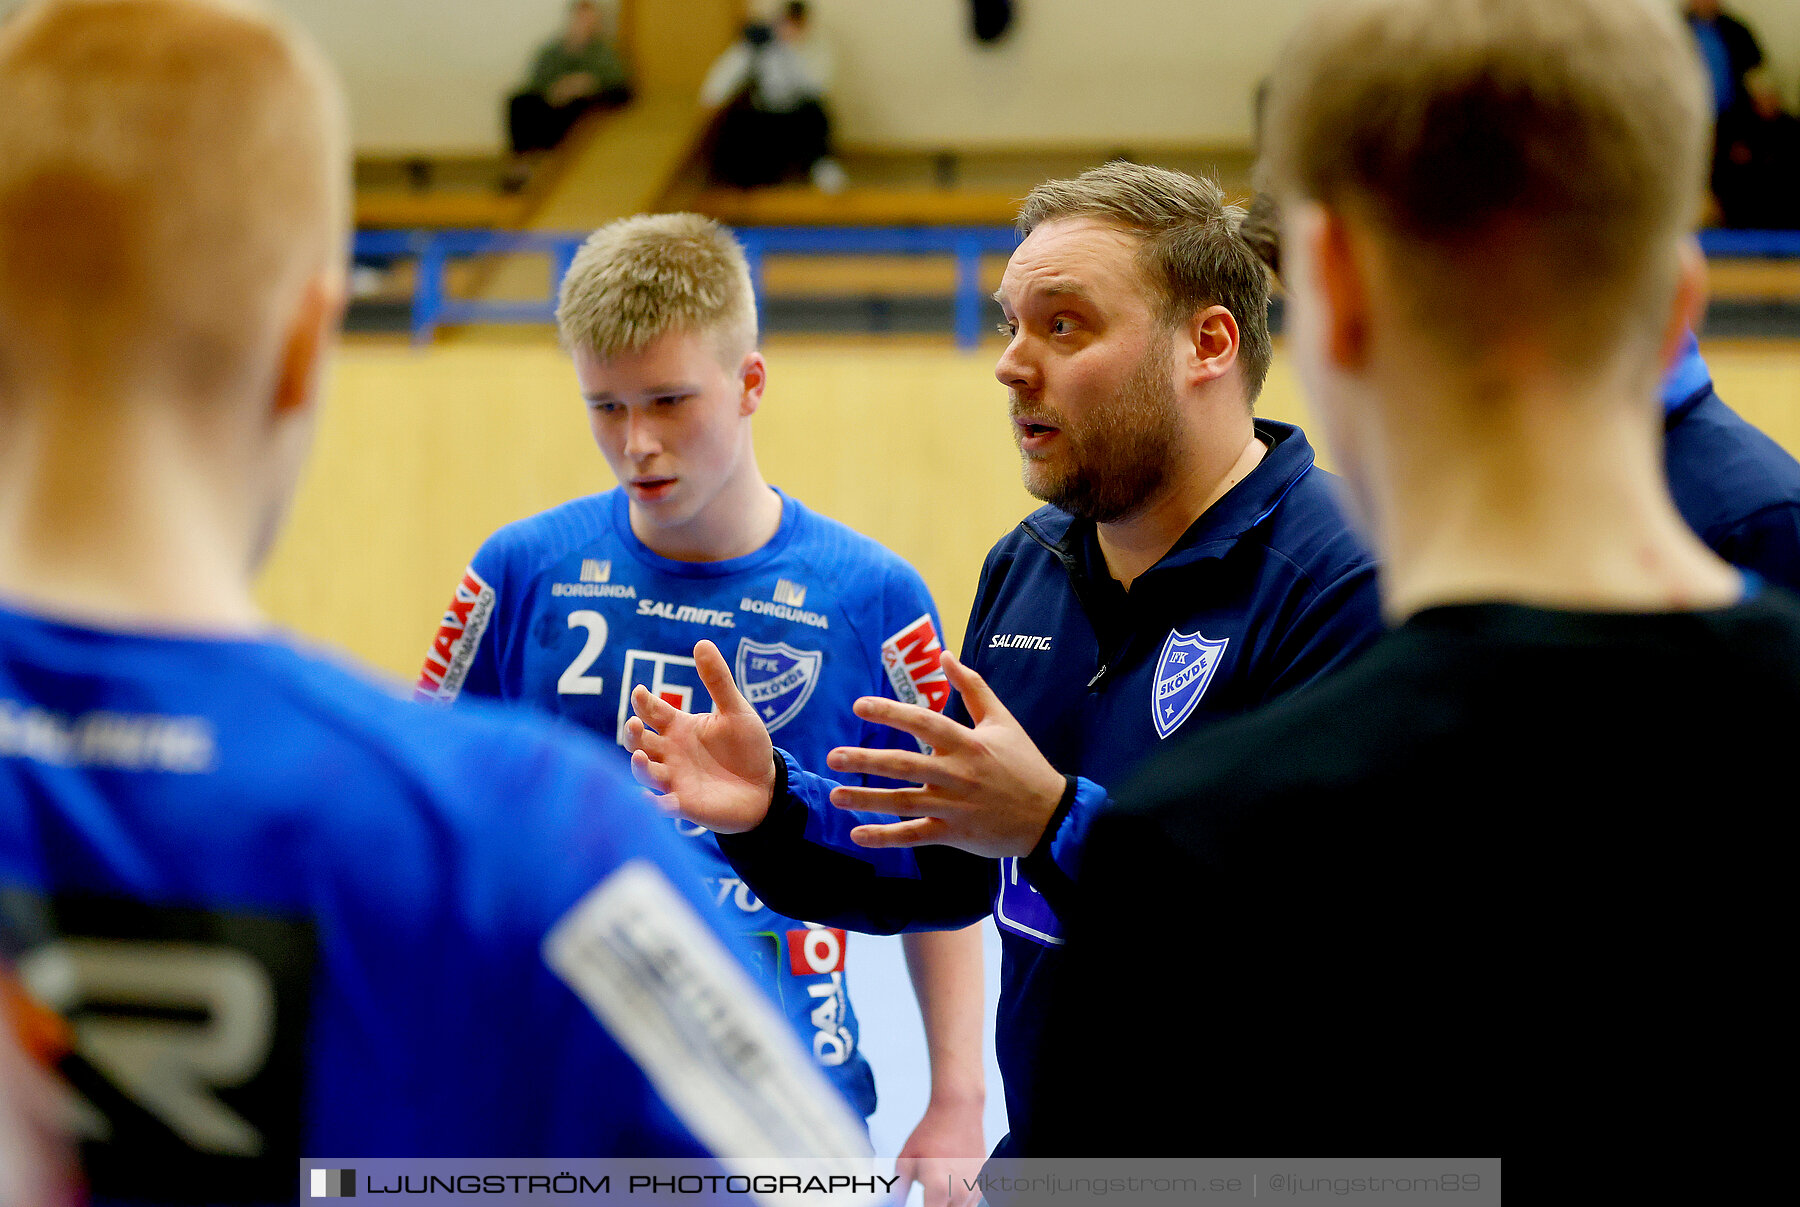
575 680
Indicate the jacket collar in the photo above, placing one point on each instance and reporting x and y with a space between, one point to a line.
1219 527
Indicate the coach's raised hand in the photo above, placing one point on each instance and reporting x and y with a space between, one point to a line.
714 768
984 788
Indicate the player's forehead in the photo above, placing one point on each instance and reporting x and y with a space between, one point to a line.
681 357
1083 258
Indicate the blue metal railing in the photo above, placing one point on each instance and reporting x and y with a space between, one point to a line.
966 243
432 306
1751 245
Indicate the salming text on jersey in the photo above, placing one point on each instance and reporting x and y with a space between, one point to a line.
686 613
1018 641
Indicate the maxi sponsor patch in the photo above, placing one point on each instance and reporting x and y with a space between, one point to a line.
777 679
913 659
1183 670
459 633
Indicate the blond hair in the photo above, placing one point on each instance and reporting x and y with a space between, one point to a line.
172 174
1553 149
1193 254
638 278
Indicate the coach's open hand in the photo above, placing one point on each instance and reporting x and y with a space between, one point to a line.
985 789
715 768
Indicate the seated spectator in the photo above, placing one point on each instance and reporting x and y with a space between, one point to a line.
772 82
1756 153
574 72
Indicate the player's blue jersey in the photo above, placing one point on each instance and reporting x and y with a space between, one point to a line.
568 611
275 911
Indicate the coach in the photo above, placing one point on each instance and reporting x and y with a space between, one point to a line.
1191 563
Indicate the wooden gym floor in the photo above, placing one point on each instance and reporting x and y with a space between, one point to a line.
422 453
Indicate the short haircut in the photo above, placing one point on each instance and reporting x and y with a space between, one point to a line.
172 175
1553 150
639 278
1193 255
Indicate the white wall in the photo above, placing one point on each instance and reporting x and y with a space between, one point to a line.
1776 24
1085 72
432 74
429 75
1071 72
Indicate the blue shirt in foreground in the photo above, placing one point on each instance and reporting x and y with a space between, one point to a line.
283 913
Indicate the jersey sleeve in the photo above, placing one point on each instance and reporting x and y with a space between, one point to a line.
463 658
1055 863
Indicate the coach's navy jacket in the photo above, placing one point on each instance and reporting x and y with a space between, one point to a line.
1266 591
1735 487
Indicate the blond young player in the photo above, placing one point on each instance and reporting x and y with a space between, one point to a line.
571 609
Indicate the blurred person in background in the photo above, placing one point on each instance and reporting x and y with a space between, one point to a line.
772 83
283 912
575 72
1756 149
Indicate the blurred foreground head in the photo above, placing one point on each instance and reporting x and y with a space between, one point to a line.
173 183
1514 182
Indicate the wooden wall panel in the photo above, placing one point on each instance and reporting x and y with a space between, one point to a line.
1760 380
421 454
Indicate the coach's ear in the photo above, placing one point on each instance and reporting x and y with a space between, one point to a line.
1208 346
311 332
753 375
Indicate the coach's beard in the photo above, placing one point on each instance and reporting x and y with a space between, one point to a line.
1117 458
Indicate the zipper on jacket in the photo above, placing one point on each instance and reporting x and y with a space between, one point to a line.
1083 590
